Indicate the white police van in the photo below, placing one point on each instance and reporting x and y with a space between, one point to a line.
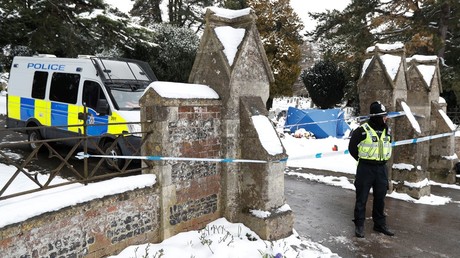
53 92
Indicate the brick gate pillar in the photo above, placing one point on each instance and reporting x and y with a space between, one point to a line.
190 191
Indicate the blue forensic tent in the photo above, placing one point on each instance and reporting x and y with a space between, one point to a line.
322 123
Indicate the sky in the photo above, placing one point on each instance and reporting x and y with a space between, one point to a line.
302 7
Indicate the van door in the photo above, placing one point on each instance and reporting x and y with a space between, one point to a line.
98 116
63 95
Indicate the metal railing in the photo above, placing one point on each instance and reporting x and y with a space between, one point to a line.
454 114
60 161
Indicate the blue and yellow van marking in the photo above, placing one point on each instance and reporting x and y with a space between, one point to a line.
59 113
14 110
50 113
93 120
27 108
72 118
42 111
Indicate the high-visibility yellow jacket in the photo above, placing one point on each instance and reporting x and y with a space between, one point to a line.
374 147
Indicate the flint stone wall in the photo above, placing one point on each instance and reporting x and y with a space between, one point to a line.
190 191
94 229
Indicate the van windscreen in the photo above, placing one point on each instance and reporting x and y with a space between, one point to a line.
126 98
121 70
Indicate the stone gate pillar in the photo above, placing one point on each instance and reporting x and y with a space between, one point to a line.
262 183
383 79
238 69
415 83
442 150
410 162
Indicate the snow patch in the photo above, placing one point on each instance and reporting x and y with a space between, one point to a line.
265 214
427 72
230 38
423 183
451 157
447 120
386 47
267 135
176 90
391 63
411 117
227 13
402 166
23 207
365 66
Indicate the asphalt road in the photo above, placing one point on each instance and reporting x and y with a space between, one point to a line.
324 214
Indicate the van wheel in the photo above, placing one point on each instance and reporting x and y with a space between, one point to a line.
113 163
34 136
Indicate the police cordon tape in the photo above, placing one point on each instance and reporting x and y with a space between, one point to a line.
81 155
318 155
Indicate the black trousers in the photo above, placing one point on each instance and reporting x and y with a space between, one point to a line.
376 177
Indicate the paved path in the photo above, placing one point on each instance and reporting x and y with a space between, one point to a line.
323 214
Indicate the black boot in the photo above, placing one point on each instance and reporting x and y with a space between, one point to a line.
384 230
359 231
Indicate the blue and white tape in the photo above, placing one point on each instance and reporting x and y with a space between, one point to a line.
318 155
82 155
397 143
422 139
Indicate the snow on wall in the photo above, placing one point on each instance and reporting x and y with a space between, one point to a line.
229 14
447 119
267 135
391 63
230 38
411 117
365 66
427 72
176 90
386 47
422 58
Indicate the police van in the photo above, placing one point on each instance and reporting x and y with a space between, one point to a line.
55 95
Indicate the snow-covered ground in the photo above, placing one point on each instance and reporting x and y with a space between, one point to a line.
220 238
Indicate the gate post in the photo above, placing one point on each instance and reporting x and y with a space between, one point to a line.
242 79
189 191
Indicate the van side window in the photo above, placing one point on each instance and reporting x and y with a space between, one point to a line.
39 85
64 87
92 92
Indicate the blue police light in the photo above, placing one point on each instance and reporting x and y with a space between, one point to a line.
79 69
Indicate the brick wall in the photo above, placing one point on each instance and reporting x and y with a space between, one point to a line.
190 190
106 226
93 229
196 134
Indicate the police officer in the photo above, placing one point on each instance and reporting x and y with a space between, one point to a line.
370 145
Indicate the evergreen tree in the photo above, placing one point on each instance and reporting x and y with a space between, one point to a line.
325 82
188 13
427 27
52 27
235 4
148 11
173 54
64 28
279 29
